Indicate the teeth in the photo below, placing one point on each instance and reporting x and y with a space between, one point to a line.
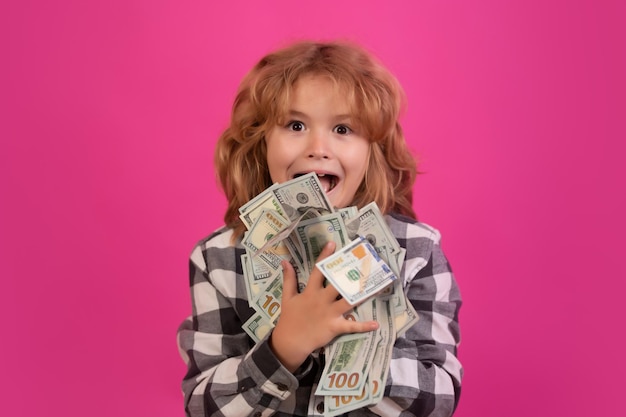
328 182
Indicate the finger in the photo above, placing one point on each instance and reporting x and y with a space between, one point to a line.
316 278
290 284
327 250
341 306
365 326
331 293
350 326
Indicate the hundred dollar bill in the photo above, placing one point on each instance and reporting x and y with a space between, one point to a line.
374 388
335 405
301 276
249 212
404 314
380 367
313 234
385 253
400 256
309 213
301 193
406 319
257 326
347 365
340 403
356 271
371 224
266 226
256 276
298 254
268 302
348 213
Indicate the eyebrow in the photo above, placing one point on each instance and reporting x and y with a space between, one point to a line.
296 113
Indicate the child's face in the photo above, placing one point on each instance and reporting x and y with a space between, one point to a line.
319 136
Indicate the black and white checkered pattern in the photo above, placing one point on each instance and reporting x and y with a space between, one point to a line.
228 375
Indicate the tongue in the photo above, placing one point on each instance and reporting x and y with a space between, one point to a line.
325 181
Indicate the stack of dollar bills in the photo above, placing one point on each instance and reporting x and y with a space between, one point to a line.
293 221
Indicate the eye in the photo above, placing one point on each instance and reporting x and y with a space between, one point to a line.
296 126
342 130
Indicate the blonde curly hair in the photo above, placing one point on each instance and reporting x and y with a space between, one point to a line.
262 101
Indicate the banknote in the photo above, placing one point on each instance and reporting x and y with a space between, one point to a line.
301 276
297 251
268 301
308 213
402 310
406 319
254 282
313 234
266 226
340 402
301 193
371 224
380 367
257 326
356 271
347 365
400 256
335 405
249 212
374 388
348 213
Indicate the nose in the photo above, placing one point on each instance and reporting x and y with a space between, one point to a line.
319 146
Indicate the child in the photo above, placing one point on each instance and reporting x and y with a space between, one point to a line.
328 108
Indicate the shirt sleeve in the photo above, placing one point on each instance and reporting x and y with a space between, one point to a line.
425 374
227 375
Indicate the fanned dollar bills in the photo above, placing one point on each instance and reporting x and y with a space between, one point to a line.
293 221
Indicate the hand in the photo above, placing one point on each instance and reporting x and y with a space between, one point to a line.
311 319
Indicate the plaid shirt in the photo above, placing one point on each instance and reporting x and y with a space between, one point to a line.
229 375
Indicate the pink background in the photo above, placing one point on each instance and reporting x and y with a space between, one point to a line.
109 115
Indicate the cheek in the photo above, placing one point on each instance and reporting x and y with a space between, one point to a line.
277 164
361 161
358 169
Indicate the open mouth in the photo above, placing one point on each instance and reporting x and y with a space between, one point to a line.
328 181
